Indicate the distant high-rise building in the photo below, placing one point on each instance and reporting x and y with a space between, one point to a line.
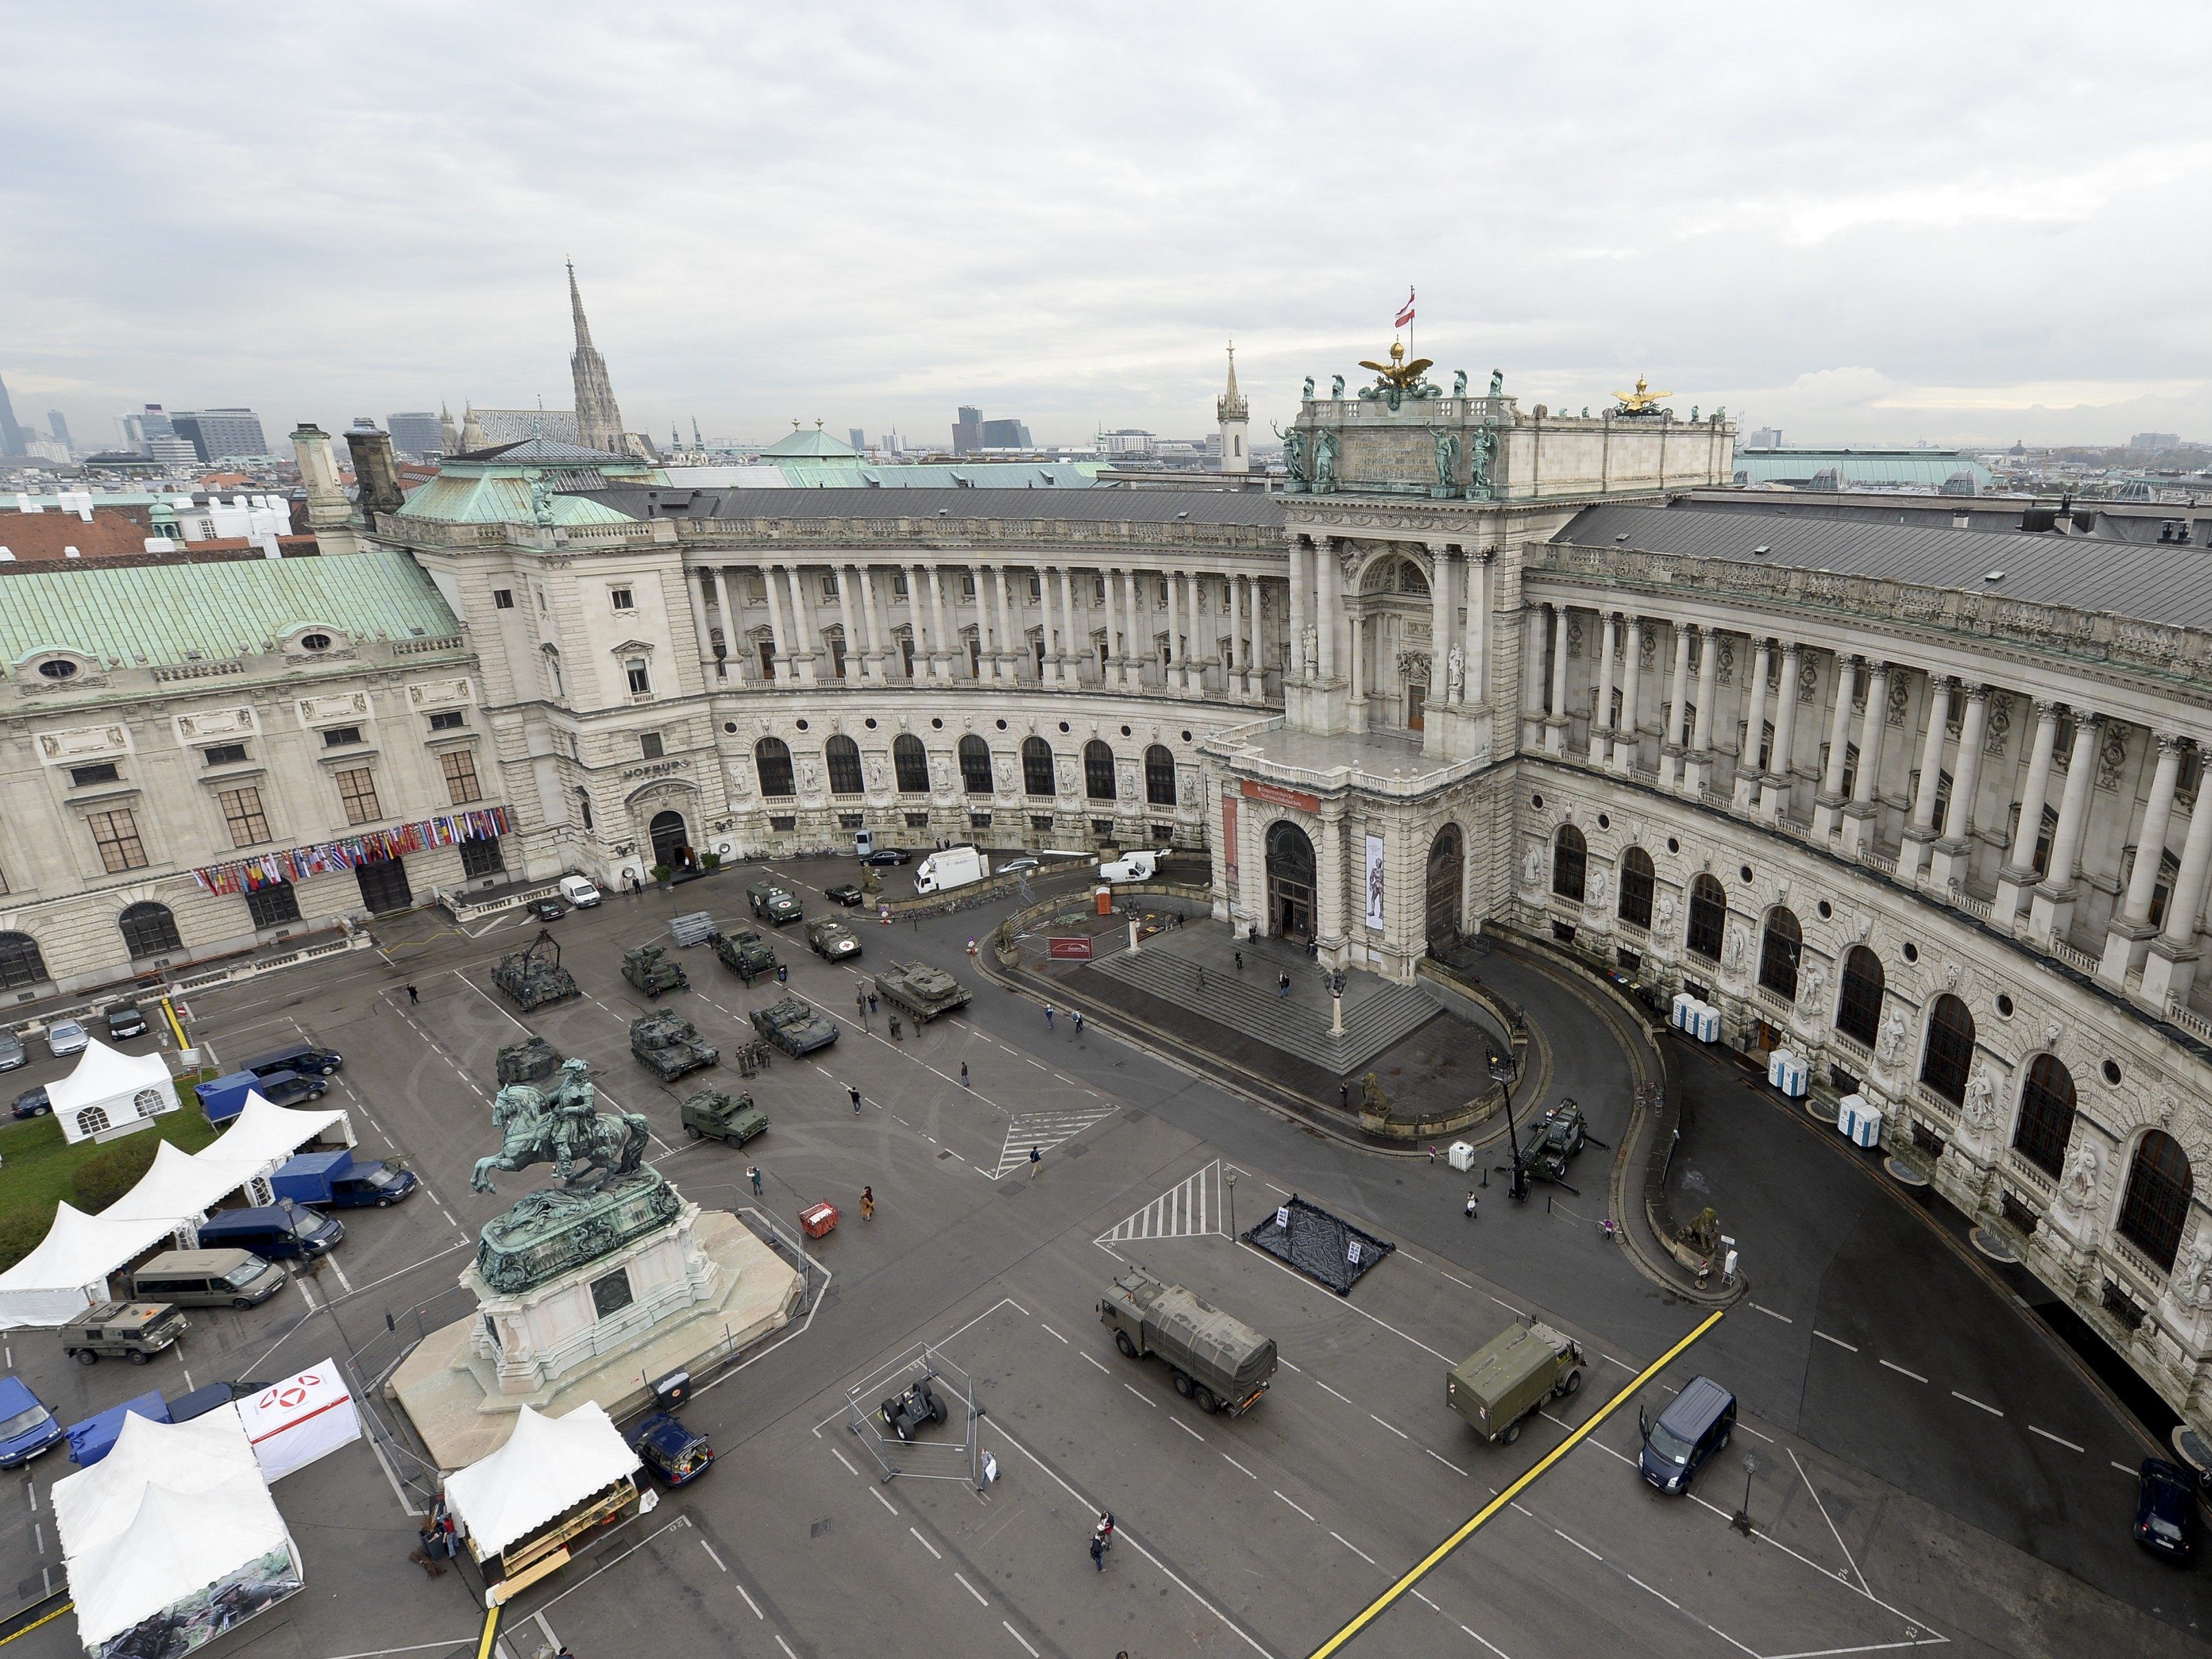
1006 435
1231 413
12 437
1767 437
2155 441
416 433
215 433
599 420
170 451
154 423
860 439
968 431
58 426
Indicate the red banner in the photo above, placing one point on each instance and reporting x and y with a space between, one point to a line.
1075 948
1275 795
1229 838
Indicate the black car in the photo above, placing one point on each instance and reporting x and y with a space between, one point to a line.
843 893
32 1102
123 1020
545 910
2165 1509
889 855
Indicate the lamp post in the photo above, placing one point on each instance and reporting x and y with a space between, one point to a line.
1230 1175
1332 980
1741 1522
1501 1070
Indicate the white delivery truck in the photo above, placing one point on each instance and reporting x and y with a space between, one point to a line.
955 866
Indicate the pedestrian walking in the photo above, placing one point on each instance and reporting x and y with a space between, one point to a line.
1078 1022
753 1174
1343 1097
782 974
413 997
856 1093
867 1203
872 1002
1035 1159
1282 987
1201 976
1240 961
745 973
1048 1017
1470 1203
964 1074
1098 1551
1432 1153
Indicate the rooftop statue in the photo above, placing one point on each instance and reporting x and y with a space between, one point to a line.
1459 383
1294 455
1307 395
1336 385
1324 463
1497 382
1446 455
1398 372
1642 401
1482 455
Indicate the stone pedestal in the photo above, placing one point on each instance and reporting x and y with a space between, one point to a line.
1858 827
2125 946
2168 972
1947 868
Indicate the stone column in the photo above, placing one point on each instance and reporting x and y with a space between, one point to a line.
1774 800
1480 595
845 616
1670 750
1828 805
1442 572
1299 668
2130 936
1955 853
1011 644
805 634
986 661
943 643
1628 735
1555 727
2020 874
1071 666
732 651
783 668
1140 612
699 621
2170 966
1332 604
1743 794
917 624
1859 816
1194 654
1601 736
1329 885
2052 911
1237 669
1698 773
865 574
1922 829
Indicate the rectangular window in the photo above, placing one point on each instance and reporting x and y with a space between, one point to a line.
784 825
502 598
459 766
338 736
968 585
898 584
1037 589
1102 827
829 585
979 820
115 835
641 682
82 777
1163 832
273 905
1041 821
622 598
357 790
649 743
917 820
241 812
448 720
851 820
223 754
767 660
482 857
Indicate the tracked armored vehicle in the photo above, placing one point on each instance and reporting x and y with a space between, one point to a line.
667 1045
654 971
745 952
533 976
794 1027
527 1061
917 989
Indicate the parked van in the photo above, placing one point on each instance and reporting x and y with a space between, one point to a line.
209 1278
1689 1431
1130 866
578 891
955 866
280 1232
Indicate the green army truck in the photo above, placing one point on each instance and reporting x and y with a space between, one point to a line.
772 902
1510 1375
716 1116
1217 1362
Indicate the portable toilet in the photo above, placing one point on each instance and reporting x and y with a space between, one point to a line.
1103 899
1706 1023
1680 1016
1859 1120
1787 1073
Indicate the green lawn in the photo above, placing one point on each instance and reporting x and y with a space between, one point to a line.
38 1164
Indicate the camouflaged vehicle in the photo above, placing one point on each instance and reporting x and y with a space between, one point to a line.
794 1027
526 1062
917 989
653 971
745 952
717 1116
831 938
668 1045
533 976
772 902
1552 1140
1216 1362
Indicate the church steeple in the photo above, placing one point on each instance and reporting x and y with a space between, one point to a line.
1232 414
599 420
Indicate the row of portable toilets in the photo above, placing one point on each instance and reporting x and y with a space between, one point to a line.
1857 1119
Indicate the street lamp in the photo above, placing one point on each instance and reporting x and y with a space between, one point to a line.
1230 1175
1741 1522
1501 1070
1333 980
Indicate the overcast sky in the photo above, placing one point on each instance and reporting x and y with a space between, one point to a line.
1857 223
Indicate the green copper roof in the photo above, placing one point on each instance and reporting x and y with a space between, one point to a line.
156 615
467 493
815 446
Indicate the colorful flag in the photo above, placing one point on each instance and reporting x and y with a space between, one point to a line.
1405 311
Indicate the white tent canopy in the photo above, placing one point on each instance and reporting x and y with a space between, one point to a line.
68 1270
170 1511
121 1088
292 1423
549 1464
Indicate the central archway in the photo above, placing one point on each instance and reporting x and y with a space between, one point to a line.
671 842
1447 855
1290 881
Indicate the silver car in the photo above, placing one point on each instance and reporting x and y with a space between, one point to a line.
66 1037
12 1053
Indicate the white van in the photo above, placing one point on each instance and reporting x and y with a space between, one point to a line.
578 891
1130 866
955 866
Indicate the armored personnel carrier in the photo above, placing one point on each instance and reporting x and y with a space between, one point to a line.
919 989
533 976
745 952
653 971
526 1062
830 938
668 1045
718 1116
794 1027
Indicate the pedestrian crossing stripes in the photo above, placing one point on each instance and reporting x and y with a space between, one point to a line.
1044 1131
1191 1208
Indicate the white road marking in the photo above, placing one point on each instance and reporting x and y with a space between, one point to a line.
1344 1397
786 1646
1446 1461
711 1556
1825 1516
1287 1366
972 1589
1307 1513
885 1501
1187 1429
1132 1388
924 1542
1977 1404
840 1457
1191 1208
1578 1543
1236 1466
1848 1347
2054 1439
1424 1600
1492 1646
1048 1331
1096 1362
340 1272
2123 1468
1771 1314
1661 1594
1353 1548
1456 1279
749 1602
1901 1372
1400 1433
1011 1631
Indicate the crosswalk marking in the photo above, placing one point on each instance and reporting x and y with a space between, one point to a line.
1044 1131
1189 1209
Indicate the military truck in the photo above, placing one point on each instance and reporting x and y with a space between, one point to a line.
745 952
1510 1375
716 1116
668 1045
135 1331
772 902
527 1061
653 971
794 1027
921 990
831 938
1217 1362
1552 1140
533 976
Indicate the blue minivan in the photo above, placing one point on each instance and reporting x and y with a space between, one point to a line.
1689 1431
26 1427
279 1231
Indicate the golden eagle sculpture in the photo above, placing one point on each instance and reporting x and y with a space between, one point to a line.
1398 372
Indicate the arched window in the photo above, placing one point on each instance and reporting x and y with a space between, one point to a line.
2157 1201
22 965
91 1120
148 930
1778 951
1858 1008
1160 775
772 759
1636 883
1708 917
1036 767
2046 1114
1097 770
1949 1058
911 762
975 765
844 757
1570 863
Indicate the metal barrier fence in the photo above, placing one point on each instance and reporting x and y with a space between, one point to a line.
920 1389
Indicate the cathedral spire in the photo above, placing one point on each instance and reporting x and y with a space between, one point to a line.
576 311
599 420
1230 413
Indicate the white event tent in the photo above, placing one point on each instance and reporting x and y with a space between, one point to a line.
68 1271
110 1090
292 1423
549 1464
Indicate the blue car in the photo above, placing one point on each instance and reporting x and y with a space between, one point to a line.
673 1451
26 1427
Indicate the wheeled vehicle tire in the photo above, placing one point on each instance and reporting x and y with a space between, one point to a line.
1511 1433
1203 1398
84 1356
1127 1347
1183 1385
1568 1385
137 1356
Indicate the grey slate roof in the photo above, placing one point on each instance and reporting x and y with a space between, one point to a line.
2153 583
1215 506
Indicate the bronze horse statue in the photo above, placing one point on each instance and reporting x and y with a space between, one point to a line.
535 1130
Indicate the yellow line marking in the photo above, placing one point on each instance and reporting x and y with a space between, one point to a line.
35 1623
1421 1569
490 1631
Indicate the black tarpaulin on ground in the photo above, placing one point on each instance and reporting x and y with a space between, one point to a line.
1321 1246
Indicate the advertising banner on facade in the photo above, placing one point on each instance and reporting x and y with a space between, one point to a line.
1375 881
1276 795
1229 839
1068 948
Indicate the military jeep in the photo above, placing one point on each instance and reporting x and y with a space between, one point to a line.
668 1045
794 1027
653 971
135 1331
745 952
772 902
714 1115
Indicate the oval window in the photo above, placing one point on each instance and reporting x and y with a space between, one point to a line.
58 668
314 641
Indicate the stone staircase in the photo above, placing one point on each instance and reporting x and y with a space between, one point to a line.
1378 1015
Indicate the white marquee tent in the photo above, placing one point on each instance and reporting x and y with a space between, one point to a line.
110 1089
549 1464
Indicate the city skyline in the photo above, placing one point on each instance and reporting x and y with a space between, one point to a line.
1849 245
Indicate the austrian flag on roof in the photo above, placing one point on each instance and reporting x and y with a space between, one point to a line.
1405 311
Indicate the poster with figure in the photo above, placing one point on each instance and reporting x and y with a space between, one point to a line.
1375 881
